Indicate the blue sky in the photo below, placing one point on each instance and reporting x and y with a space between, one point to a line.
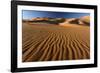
29 14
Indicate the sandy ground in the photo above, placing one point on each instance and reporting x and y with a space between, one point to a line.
54 42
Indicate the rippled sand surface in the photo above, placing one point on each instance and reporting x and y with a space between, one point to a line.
42 42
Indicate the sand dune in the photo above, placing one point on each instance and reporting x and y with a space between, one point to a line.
53 42
85 20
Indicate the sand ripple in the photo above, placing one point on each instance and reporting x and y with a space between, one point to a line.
54 42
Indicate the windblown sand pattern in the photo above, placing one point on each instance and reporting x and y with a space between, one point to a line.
55 42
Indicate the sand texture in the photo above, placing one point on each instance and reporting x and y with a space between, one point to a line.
45 42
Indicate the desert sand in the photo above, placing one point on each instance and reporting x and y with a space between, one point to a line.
55 42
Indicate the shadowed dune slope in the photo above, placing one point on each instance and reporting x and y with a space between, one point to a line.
53 42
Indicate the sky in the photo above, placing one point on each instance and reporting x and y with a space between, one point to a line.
29 14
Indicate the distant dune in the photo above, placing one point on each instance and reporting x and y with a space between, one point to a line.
38 19
85 20
53 42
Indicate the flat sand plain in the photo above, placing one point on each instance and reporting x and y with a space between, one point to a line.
45 42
